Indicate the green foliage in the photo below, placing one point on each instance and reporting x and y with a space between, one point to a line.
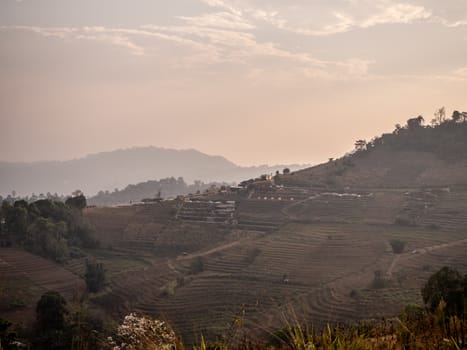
197 265
397 246
47 239
85 236
251 254
52 328
405 220
94 276
7 337
446 138
51 311
446 285
48 228
355 294
77 202
150 191
15 218
49 209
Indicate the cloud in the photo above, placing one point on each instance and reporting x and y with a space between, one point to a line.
338 16
397 13
116 37
206 44
226 20
223 5
344 22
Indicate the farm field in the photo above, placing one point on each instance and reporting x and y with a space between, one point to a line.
315 258
24 277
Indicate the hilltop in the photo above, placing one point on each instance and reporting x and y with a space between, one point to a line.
107 171
411 156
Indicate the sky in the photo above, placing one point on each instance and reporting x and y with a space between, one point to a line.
259 82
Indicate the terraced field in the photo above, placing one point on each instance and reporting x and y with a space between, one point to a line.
264 260
287 253
24 277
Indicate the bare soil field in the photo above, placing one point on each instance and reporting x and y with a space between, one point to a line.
226 267
24 277
312 258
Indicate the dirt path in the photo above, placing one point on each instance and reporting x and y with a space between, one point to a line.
286 209
420 252
393 265
172 267
210 251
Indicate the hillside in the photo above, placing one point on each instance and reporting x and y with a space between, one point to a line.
412 156
150 190
305 248
299 247
117 169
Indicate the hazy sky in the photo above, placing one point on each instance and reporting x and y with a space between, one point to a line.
277 81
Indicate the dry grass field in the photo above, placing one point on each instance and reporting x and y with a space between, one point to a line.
313 247
313 257
279 254
24 277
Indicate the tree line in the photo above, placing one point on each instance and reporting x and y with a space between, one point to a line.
49 228
444 136
150 190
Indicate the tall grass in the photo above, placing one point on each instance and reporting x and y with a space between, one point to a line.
413 330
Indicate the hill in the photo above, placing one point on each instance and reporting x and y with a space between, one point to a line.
117 169
152 190
410 156
298 247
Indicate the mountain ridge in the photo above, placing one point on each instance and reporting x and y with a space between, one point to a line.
117 169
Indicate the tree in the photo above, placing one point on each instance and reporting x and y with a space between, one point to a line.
360 145
197 265
398 246
414 123
8 337
286 171
46 238
440 116
456 116
94 276
51 311
16 218
447 285
77 202
397 129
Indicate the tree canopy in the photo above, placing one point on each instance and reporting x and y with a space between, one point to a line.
51 311
47 227
448 285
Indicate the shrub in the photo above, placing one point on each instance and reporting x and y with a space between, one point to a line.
379 281
355 293
51 311
445 285
197 265
398 246
94 276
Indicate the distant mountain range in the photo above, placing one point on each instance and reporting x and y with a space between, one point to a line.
117 169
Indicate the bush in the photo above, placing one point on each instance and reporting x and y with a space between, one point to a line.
94 276
51 311
404 221
197 265
379 281
446 285
398 246
355 293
